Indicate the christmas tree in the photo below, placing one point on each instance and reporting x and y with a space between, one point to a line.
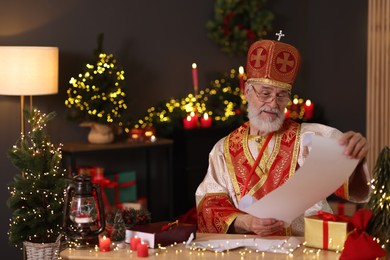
96 94
37 191
379 202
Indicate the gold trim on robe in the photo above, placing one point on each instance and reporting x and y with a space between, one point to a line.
280 165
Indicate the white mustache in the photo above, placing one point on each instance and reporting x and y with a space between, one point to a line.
265 109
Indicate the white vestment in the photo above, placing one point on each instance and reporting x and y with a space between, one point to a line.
217 179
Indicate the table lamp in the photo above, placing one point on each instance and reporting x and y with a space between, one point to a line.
28 71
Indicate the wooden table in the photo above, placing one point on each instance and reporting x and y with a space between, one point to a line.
179 252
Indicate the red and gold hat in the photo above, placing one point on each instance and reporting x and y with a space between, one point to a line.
273 62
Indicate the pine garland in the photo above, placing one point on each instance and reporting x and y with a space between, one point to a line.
223 101
238 23
37 191
379 202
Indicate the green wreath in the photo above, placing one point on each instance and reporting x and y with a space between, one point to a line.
238 23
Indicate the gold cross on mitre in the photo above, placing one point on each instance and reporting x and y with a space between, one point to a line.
280 35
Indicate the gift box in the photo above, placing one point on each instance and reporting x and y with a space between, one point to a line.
343 208
162 233
326 231
125 190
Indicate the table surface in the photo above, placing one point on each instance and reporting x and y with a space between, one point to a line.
179 252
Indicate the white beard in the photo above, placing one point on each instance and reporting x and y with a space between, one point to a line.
266 126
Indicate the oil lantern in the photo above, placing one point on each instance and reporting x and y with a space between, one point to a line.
83 219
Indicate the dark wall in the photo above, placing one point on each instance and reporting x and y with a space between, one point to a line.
157 41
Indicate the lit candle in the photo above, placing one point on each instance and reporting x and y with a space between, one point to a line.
142 250
195 78
104 244
295 105
194 118
309 108
286 113
188 122
149 132
134 242
205 121
241 72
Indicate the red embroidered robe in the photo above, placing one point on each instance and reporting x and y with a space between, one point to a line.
216 211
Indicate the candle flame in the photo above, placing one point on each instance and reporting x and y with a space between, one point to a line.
241 70
192 114
194 65
206 116
189 118
308 102
295 101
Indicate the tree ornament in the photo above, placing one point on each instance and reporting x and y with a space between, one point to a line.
239 23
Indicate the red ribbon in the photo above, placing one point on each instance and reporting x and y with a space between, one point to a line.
340 208
122 185
326 216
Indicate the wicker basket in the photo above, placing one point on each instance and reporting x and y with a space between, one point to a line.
42 251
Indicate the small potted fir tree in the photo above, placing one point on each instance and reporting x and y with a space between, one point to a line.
37 191
96 97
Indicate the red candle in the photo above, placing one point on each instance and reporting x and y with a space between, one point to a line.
104 244
309 109
205 121
241 72
134 243
195 78
194 119
188 122
286 113
142 250
295 105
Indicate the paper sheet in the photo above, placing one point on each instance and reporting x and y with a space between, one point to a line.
324 171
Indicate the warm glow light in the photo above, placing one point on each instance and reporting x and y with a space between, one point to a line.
194 65
241 70
308 102
28 70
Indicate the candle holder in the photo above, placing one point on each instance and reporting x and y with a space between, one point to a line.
136 135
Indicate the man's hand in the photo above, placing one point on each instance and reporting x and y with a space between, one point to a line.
356 146
260 226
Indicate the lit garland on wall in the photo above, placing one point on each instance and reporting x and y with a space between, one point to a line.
96 94
223 101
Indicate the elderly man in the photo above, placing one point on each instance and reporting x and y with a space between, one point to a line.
265 152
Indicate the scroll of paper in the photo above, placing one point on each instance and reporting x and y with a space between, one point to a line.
324 171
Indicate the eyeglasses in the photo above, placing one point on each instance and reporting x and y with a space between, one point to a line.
267 95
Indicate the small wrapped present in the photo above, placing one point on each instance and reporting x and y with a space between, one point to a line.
126 188
326 231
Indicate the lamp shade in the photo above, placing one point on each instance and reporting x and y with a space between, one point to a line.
28 70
